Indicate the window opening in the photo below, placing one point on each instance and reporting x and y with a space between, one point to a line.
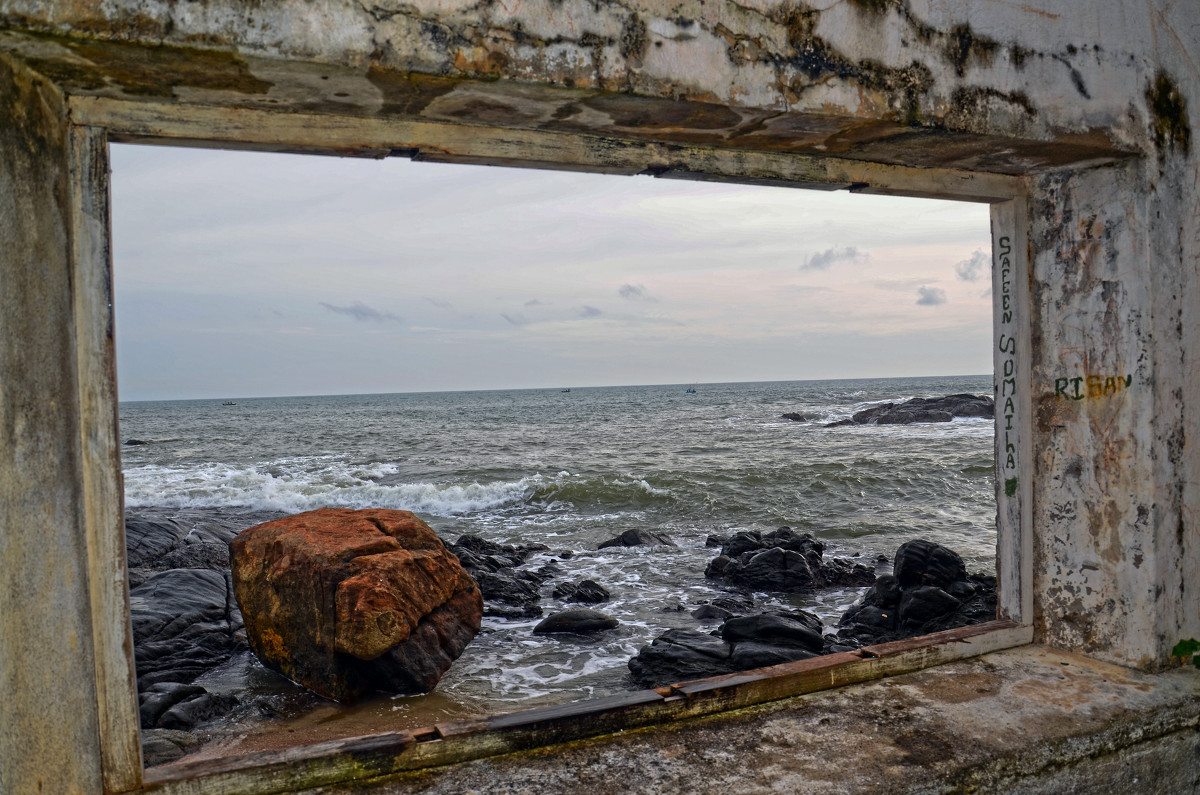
538 359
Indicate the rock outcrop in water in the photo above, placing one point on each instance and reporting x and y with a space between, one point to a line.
577 620
942 409
740 644
185 619
349 602
783 561
638 538
508 592
929 591
586 591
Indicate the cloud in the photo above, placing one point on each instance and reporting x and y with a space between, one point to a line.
440 303
969 270
638 292
931 296
535 302
516 320
589 311
360 311
829 257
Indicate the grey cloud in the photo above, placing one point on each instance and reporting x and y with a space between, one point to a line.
440 303
825 259
589 311
969 270
931 296
637 292
516 320
535 302
360 311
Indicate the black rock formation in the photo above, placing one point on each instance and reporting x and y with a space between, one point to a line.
783 561
638 538
941 409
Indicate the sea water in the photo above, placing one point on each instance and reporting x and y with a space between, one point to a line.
570 469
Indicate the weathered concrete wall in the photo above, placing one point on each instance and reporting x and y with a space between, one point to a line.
47 687
1028 720
960 84
1025 70
1093 106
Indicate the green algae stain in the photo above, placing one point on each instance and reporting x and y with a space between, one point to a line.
1187 648
1010 487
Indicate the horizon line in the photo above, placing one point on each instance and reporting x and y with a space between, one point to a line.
547 388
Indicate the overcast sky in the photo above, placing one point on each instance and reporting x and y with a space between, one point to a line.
242 274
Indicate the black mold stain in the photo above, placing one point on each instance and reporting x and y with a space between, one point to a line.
635 40
1077 79
1169 108
1017 54
814 58
874 6
963 44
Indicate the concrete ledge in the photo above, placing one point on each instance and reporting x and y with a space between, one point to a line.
1023 720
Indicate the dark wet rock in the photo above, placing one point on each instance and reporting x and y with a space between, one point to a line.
507 596
158 539
550 569
160 746
578 620
738 604
495 556
195 710
899 417
184 624
185 619
586 591
135 442
921 605
508 592
940 409
679 655
638 538
349 602
711 612
158 698
783 561
794 417
714 541
776 628
930 592
884 592
923 562
740 644
750 654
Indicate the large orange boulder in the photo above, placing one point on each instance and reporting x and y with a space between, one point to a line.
348 602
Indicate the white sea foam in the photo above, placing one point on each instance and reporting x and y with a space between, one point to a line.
296 485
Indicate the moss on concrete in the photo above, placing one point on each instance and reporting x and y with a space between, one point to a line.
1170 117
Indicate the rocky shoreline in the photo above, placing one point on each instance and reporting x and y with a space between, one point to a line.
186 622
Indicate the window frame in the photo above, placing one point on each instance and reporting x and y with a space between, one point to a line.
96 121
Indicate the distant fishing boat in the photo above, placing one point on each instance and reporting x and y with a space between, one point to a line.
229 403
689 391
564 390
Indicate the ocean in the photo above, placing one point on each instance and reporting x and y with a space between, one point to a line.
570 469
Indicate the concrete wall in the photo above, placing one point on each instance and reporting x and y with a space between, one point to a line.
1089 106
47 670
